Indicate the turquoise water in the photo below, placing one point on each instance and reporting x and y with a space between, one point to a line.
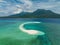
10 34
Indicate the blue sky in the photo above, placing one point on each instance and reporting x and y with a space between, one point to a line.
8 7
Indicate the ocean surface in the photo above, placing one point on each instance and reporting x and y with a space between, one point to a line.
10 34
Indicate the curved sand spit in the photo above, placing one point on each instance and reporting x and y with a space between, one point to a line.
31 32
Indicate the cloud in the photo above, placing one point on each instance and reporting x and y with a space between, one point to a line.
8 7
52 0
2 1
17 11
50 5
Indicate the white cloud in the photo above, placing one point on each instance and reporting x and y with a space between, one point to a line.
51 5
27 3
1 1
17 11
28 6
52 0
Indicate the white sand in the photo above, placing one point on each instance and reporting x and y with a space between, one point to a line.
31 32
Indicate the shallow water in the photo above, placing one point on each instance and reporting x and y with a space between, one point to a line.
10 34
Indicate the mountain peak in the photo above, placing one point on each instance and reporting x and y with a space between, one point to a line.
42 11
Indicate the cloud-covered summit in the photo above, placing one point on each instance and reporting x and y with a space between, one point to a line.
8 7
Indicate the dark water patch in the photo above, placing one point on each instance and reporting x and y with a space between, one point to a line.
50 20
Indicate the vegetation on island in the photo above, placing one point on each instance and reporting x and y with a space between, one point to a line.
40 13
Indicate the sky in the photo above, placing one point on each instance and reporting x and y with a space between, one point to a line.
9 7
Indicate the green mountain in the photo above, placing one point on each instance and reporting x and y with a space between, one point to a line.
40 13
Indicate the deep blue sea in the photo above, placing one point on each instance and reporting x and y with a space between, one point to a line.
11 35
